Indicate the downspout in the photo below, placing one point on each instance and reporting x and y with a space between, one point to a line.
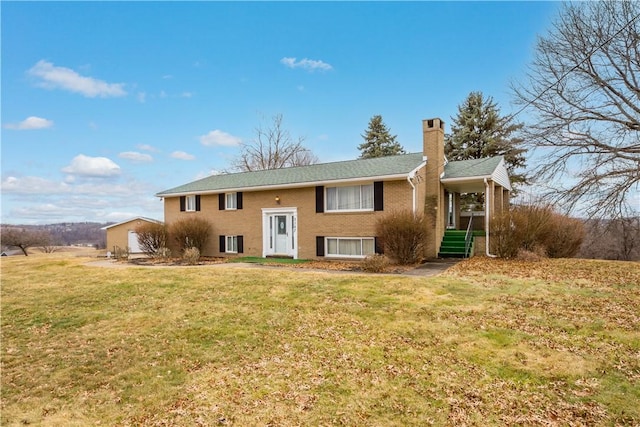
487 215
410 177
413 192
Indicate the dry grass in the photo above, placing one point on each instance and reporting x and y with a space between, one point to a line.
553 342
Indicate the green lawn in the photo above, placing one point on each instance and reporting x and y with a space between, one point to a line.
486 343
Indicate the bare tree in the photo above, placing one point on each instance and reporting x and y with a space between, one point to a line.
23 238
583 90
273 148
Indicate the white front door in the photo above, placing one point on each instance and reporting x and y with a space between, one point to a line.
279 230
281 234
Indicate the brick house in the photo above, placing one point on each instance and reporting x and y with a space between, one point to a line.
330 210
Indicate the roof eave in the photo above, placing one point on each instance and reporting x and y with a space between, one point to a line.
286 186
144 218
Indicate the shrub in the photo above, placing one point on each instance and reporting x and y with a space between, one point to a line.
535 229
191 255
505 242
403 236
534 225
121 253
531 256
566 237
191 233
376 263
164 253
152 237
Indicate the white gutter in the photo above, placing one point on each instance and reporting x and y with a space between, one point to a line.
487 214
410 177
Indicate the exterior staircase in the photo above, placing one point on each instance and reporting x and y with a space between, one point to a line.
453 245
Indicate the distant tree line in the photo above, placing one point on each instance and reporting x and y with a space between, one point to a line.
48 237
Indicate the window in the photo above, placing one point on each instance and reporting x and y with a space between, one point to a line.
231 201
232 244
352 198
191 203
357 247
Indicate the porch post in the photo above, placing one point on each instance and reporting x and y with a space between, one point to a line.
506 194
456 211
499 201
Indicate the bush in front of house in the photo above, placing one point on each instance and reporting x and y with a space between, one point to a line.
403 236
376 263
191 256
536 229
152 238
191 233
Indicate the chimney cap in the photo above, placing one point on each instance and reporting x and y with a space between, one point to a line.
435 123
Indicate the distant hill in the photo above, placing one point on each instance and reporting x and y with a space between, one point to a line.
72 233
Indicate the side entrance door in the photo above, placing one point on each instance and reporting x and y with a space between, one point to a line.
134 246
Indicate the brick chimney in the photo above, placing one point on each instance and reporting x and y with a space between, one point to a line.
434 207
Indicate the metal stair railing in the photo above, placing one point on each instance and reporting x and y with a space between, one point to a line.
468 238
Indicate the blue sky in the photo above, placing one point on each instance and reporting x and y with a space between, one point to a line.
105 104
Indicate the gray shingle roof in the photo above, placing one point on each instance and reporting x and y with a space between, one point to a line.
337 171
470 168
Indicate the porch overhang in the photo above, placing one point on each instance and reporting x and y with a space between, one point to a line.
468 184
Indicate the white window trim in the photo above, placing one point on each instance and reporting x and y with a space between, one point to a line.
226 244
190 203
328 255
326 199
226 201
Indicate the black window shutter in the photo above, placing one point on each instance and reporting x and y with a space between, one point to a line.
239 200
240 245
319 199
379 247
221 201
378 196
222 244
319 245
197 202
183 202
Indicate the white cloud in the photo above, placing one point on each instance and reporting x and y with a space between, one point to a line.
92 166
306 64
142 97
182 155
31 199
147 147
136 157
209 173
33 185
53 77
186 94
30 123
218 137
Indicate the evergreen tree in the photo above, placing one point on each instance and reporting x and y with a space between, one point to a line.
378 141
479 131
